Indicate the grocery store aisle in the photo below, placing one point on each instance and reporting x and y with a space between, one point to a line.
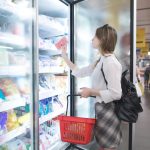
142 132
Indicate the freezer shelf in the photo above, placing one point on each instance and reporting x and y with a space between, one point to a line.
7 105
13 71
51 116
50 52
10 10
7 9
12 134
48 31
52 70
12 41
47 93
59 145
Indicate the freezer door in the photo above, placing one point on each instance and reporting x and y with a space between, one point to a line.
16 116
53 73
89 15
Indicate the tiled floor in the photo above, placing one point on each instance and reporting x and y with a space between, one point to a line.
141 129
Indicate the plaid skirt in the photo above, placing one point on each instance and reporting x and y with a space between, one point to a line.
107 128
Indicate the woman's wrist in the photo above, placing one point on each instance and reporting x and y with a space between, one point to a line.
94 92
64 55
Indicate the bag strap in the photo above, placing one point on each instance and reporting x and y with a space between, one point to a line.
104 75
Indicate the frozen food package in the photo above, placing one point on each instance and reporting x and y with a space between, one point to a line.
9 87
61 42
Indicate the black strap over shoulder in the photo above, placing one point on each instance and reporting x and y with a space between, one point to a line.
104 75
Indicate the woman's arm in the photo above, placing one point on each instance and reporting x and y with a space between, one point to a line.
86 92
78 72
70 64
113 76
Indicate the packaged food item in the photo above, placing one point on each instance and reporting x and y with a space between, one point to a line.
41 112
16 145
43 107
3 120
46 44
61 42
12 121
23 85
24 118
2 96
4 59
45 60
44 141
8 87
17 58
50 104
61 83
55 25
26 141
57 104
4 147
43 84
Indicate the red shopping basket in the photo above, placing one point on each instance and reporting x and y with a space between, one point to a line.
76 130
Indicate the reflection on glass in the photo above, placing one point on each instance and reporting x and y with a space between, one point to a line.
53 74
89 15
15 75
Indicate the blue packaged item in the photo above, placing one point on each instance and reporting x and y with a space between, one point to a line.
50 104
41 113
3 120
56 100
2 96
45 106
40 109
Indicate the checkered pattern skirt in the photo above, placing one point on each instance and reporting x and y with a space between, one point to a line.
107 128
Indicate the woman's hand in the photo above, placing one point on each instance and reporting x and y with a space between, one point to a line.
64 50
85 92
65 57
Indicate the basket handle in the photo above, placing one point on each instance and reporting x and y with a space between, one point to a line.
74 96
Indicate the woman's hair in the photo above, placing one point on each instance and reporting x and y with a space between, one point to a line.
108 37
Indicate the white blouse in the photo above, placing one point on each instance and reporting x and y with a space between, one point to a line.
112 70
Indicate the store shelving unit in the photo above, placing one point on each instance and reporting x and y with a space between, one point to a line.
12 134
52 70
12 41
49 52
15 74
51 115
12 71
51 29
58 145
10 104
47 93
47 31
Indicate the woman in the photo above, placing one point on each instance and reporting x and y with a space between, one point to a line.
107 128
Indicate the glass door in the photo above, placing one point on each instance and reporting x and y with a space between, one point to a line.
53 72
89 15
16 75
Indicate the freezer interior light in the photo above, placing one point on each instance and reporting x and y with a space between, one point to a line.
25 13
5 47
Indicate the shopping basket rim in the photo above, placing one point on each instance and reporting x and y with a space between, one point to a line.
76 119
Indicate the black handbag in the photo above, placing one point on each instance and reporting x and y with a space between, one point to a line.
128 107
